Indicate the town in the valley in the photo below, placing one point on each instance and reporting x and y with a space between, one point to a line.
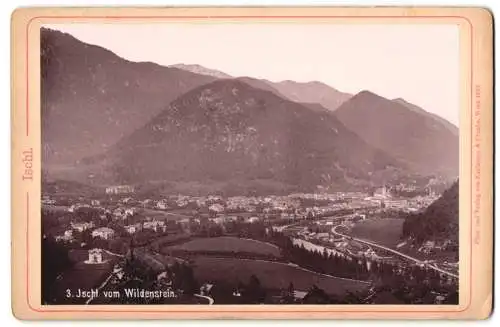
119 246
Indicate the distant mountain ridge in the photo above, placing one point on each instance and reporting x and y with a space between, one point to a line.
312 92
94 102
302 92
198 69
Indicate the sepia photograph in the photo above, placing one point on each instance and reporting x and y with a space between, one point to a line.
252 163
235 164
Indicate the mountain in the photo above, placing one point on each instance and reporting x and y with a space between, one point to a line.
269 86
229 132
261 84
423 142
452 128
198 69
439 222
91 98
312 92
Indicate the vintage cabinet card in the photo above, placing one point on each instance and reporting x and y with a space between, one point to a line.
252 163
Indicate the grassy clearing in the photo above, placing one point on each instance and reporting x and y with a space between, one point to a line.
228 244
272 275
165 215
386 232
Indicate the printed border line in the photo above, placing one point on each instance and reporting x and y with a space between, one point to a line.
84 308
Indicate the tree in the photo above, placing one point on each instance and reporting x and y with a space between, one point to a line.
254 293
316 296
288 294
55 260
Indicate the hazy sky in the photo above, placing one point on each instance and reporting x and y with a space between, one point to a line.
419 63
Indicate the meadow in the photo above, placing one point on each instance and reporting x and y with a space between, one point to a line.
272 275
385 232
228 244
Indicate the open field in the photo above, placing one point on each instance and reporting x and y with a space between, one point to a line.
228 244
272 275
55 208
385 232
170 239
165 215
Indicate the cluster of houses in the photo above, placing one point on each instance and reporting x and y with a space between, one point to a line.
182 201
422 202
433 246
47 200
222 219
329 196
101 232
383 198
107 233
120 189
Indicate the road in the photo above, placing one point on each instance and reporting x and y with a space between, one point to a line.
106 281
208 298
103 284
115 254
334 231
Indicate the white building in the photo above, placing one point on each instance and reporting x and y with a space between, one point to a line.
253 219
156 225
216 208
82 226
67 236
130 212
119 189
95 256
162 205
104 233
131 229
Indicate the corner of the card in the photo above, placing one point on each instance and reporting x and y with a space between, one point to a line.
486 309
480 17
22 15
486 15
21 309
